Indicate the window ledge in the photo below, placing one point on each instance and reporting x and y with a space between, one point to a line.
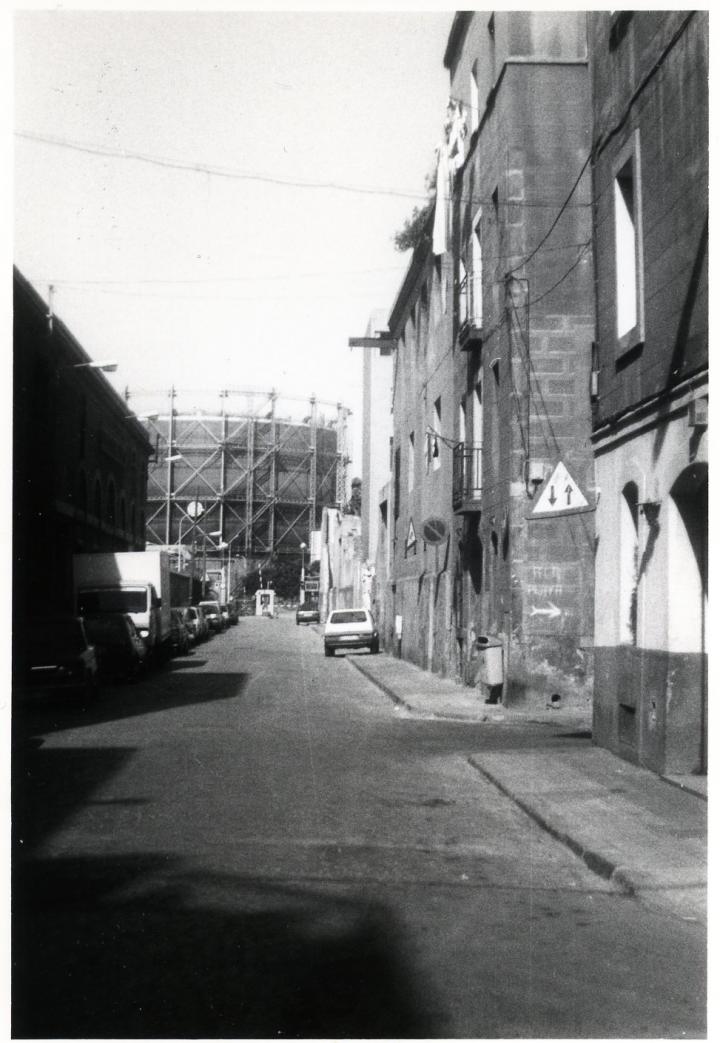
632 341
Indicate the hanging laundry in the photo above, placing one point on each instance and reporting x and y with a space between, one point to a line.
450 157
442 202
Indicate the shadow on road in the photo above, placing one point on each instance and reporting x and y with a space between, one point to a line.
167 689
49 785
135 947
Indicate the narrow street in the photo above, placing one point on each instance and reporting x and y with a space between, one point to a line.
253 841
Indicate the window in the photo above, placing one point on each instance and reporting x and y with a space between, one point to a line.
110 505
435 440
396 477
478 415
474 99
81 493
628 247
619 22
475 301
422 321
411 462
463 282
441 285
628 555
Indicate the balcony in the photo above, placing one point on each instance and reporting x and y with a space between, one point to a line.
470 334
467 478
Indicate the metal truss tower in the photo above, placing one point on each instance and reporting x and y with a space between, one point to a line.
261 477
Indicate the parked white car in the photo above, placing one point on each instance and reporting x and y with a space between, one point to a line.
351 628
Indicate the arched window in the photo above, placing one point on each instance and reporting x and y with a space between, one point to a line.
688 561
628 561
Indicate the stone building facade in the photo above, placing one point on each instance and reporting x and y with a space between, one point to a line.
494 327
80 460
650 188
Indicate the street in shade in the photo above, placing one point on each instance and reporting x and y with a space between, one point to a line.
254 841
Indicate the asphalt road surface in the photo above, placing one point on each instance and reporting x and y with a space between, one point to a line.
253 841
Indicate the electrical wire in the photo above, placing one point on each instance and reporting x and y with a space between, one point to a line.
265 178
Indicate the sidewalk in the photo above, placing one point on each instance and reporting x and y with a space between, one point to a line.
645 833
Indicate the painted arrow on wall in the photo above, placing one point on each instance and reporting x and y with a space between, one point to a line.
552 611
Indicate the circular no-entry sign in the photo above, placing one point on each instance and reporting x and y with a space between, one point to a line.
434 530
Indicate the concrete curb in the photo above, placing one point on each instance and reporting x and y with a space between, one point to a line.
509 715
594 860
378 684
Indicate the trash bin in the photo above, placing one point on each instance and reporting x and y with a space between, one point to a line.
490 661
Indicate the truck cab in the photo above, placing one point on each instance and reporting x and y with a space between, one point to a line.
140 602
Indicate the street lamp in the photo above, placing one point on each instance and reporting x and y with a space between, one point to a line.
193 518
302 573
226 567
206 535
106 367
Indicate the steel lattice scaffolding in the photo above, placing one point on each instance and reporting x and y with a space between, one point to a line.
261 477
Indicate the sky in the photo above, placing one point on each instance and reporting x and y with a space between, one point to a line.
213 195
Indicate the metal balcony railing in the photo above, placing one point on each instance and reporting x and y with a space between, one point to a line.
467 474
471 310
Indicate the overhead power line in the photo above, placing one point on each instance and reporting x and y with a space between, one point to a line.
265 178
206 168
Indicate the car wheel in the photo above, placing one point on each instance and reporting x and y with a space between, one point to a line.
329 651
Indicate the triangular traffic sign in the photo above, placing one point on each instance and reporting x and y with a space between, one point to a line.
561 495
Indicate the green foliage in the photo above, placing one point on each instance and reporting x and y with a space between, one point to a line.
413 233
282 574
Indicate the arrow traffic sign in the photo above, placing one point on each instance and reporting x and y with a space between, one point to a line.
561 495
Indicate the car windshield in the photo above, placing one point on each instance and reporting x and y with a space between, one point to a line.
112 600
64 636
106 631
210 606
350 616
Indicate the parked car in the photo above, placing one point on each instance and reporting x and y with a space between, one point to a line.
121 652
179 636
351 628
213 614
61 659
195 620
307 613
